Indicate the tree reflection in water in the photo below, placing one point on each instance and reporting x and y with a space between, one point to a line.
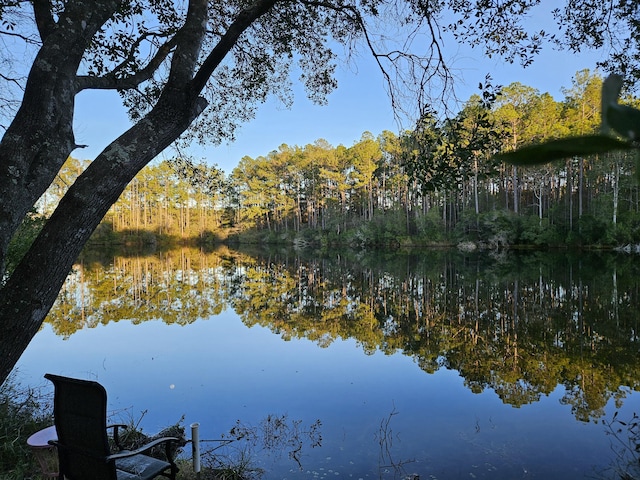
519 324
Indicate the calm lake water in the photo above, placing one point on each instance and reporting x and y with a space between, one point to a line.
437 364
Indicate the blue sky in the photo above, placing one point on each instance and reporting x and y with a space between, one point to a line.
359 104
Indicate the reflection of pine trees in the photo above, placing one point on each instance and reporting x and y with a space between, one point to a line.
520 325
179 286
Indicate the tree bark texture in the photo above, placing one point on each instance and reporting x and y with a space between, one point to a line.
40 138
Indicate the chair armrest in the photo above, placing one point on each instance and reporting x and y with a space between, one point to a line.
118 425
116 438
144 448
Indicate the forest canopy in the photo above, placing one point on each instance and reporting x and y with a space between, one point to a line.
436 184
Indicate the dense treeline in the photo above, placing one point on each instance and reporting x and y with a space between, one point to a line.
438 183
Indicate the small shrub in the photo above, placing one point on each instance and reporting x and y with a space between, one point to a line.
23 238
625 446
536 231
592 230
23 411
431 225
132 437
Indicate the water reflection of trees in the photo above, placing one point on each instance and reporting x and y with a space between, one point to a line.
517 324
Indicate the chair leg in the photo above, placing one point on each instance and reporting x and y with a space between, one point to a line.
170 458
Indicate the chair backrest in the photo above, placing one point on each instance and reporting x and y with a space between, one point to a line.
80 416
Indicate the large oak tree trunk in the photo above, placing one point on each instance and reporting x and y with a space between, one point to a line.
40 138
31 291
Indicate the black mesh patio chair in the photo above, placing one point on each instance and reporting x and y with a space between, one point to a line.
80 417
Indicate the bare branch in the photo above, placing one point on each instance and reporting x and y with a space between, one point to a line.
111 81
11 80
421 69
25 38
357 18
